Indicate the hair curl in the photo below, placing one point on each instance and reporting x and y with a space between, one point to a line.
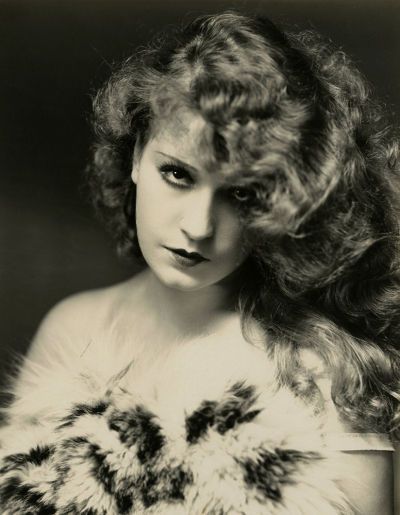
290 119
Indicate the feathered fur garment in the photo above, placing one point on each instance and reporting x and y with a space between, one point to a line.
202 430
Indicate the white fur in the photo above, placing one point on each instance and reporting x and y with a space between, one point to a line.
172 388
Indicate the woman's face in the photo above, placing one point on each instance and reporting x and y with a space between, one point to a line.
180 205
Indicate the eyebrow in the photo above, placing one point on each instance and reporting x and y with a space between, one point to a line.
181 163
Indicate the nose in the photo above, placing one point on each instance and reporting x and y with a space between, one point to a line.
197 221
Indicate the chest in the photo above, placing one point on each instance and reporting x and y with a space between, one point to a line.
179 376
159 352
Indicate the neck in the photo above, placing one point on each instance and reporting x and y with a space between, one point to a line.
189 312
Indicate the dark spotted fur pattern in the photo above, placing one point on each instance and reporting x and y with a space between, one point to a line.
104 460
114 454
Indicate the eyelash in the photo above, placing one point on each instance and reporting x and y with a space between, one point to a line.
167 170
240 195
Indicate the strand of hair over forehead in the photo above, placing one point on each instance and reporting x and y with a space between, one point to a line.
276 140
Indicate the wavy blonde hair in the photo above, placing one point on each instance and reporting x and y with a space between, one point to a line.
291 121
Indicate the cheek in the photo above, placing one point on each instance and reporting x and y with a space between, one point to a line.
231 240
151 206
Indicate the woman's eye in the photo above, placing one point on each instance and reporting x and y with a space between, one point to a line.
241 194
176 175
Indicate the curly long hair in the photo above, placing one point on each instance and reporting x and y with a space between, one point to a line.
290 119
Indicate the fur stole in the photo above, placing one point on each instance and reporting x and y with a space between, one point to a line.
90 435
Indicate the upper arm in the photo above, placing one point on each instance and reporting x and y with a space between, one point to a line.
369 481
54 349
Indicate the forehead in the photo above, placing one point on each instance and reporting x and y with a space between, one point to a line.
186 136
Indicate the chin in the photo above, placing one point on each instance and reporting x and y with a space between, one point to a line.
183 281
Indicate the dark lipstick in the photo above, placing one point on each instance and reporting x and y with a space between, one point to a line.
185 258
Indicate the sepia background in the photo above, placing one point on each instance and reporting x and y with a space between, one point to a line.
53 56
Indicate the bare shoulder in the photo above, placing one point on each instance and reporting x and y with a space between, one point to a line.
371 479
73 321
396 473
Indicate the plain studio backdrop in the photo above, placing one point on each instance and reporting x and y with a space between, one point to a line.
54 55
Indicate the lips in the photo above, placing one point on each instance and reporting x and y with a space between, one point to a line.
195 256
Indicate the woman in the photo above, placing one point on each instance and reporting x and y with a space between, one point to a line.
252 366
